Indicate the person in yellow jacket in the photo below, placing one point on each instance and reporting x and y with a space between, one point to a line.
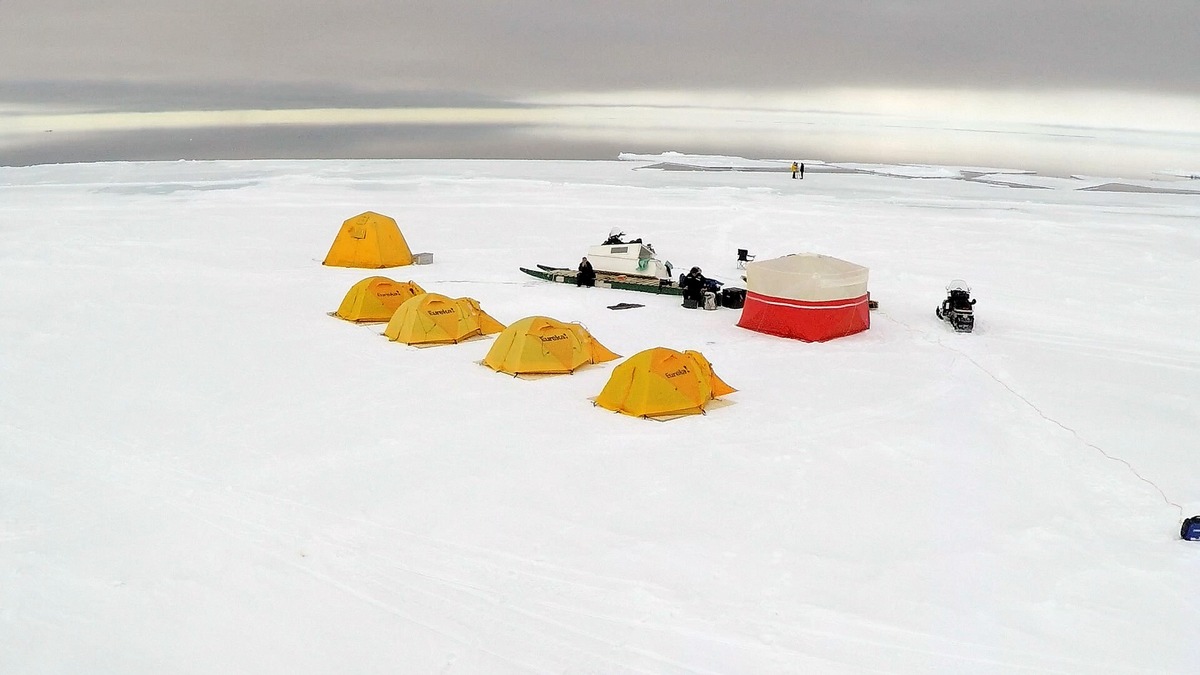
795 169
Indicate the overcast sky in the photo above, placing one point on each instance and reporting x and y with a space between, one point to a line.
961 64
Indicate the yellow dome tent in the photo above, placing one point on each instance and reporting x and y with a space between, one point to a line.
662 382
540 345
432 319
375 299
369 240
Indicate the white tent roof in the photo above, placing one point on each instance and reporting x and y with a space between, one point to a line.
807 276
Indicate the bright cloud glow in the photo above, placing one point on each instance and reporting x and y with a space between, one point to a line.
937 107
1062 132
714 110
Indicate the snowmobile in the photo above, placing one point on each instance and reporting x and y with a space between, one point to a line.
958 309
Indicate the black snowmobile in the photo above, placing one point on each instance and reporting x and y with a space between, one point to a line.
958 309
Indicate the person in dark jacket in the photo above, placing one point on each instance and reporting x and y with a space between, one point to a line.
586 275
693 286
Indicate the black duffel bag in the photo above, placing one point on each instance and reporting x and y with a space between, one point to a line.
733 298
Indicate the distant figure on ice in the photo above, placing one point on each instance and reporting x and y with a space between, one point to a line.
801 170
616 236
795 169
587 275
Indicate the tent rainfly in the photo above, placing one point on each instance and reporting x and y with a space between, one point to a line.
662 383
433 319
375 299
369 240
807 296
538 345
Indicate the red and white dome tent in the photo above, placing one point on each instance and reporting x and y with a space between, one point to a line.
807 296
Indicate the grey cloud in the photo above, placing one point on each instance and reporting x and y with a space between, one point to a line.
152 55
301 142
507 49
128 96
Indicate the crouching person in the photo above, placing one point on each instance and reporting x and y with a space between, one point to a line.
693 287
586 275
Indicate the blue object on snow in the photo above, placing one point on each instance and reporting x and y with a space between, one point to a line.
1191 529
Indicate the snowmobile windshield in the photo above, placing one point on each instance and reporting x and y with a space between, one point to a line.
958 285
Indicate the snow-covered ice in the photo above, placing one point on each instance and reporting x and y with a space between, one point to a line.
201 471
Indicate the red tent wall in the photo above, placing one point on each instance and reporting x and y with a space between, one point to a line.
808 321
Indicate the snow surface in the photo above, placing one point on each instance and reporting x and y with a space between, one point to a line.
202 472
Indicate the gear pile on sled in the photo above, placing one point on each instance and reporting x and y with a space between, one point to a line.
625 265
